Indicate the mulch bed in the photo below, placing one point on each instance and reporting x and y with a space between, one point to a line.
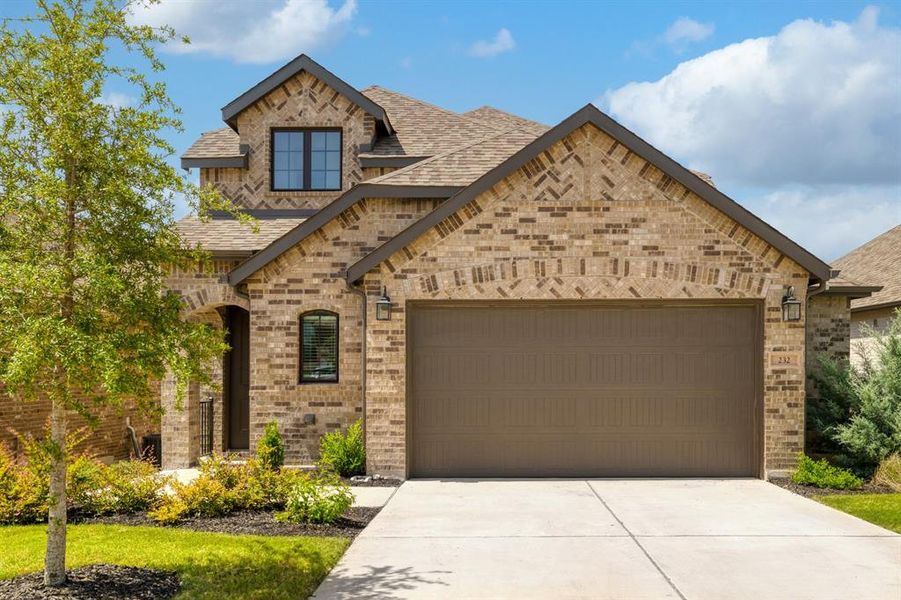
809 491
93 582
253 523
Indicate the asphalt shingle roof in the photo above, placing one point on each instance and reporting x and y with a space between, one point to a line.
423 129
463 165
219 143
878 262
230 235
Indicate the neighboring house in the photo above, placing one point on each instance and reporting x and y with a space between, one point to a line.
493 297
879 262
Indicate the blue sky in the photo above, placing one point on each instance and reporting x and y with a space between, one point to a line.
793 108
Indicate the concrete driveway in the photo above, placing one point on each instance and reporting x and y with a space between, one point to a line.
624 539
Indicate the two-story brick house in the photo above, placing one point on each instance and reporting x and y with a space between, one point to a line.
493 297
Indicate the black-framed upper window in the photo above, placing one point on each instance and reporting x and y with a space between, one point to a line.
318 347
306 159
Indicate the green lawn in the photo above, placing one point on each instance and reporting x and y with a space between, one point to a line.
882 509
211 565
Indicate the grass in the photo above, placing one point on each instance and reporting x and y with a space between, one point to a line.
211 565
882 509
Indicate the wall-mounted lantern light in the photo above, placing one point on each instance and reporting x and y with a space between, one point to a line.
791 306
383 307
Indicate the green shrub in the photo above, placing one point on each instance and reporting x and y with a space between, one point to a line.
203 497
123 487
271 448
858 413
317 498
823 475
889 473
344 453
24 492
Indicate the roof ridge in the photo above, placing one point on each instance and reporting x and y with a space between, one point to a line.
436 157
506 112
432 105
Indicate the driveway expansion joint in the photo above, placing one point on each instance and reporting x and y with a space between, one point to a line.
637 542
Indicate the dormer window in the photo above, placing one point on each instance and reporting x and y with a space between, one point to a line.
306 160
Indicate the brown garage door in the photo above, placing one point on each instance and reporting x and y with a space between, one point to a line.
529 390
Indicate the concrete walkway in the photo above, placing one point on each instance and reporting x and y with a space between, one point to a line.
624 539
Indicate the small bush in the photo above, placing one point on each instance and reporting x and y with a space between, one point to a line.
344 453
889 473
124 487
203 497
317 498
823 475
271 448
857 415
24 492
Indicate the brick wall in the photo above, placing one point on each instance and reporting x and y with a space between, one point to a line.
204 292
302 101
107 440
310 277
588 219
828 333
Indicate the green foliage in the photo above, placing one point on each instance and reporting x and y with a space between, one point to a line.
123 487
203 497
889 473
226 485
823 475
858 414
271 447
23 491
344 453
317 498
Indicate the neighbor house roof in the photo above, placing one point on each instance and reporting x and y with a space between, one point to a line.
591 114
876 262
230 237
303 63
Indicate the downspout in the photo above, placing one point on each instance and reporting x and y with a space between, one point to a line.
362 295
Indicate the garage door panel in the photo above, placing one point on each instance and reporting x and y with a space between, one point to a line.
591 390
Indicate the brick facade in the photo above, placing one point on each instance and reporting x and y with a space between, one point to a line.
107 440
302 101
828 333
588 219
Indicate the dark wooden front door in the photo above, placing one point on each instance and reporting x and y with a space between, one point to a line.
236 379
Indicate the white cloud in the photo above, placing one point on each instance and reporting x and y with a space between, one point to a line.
250 32
502 42
117 100
684 30
829 221
814 104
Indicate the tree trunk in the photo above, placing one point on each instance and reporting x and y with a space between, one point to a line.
55 559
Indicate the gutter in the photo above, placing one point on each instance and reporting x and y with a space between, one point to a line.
362 294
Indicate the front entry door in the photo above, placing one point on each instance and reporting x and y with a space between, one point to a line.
236 379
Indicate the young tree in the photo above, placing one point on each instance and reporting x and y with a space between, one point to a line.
86 225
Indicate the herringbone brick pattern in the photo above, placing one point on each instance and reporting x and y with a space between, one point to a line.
587 219
302 101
